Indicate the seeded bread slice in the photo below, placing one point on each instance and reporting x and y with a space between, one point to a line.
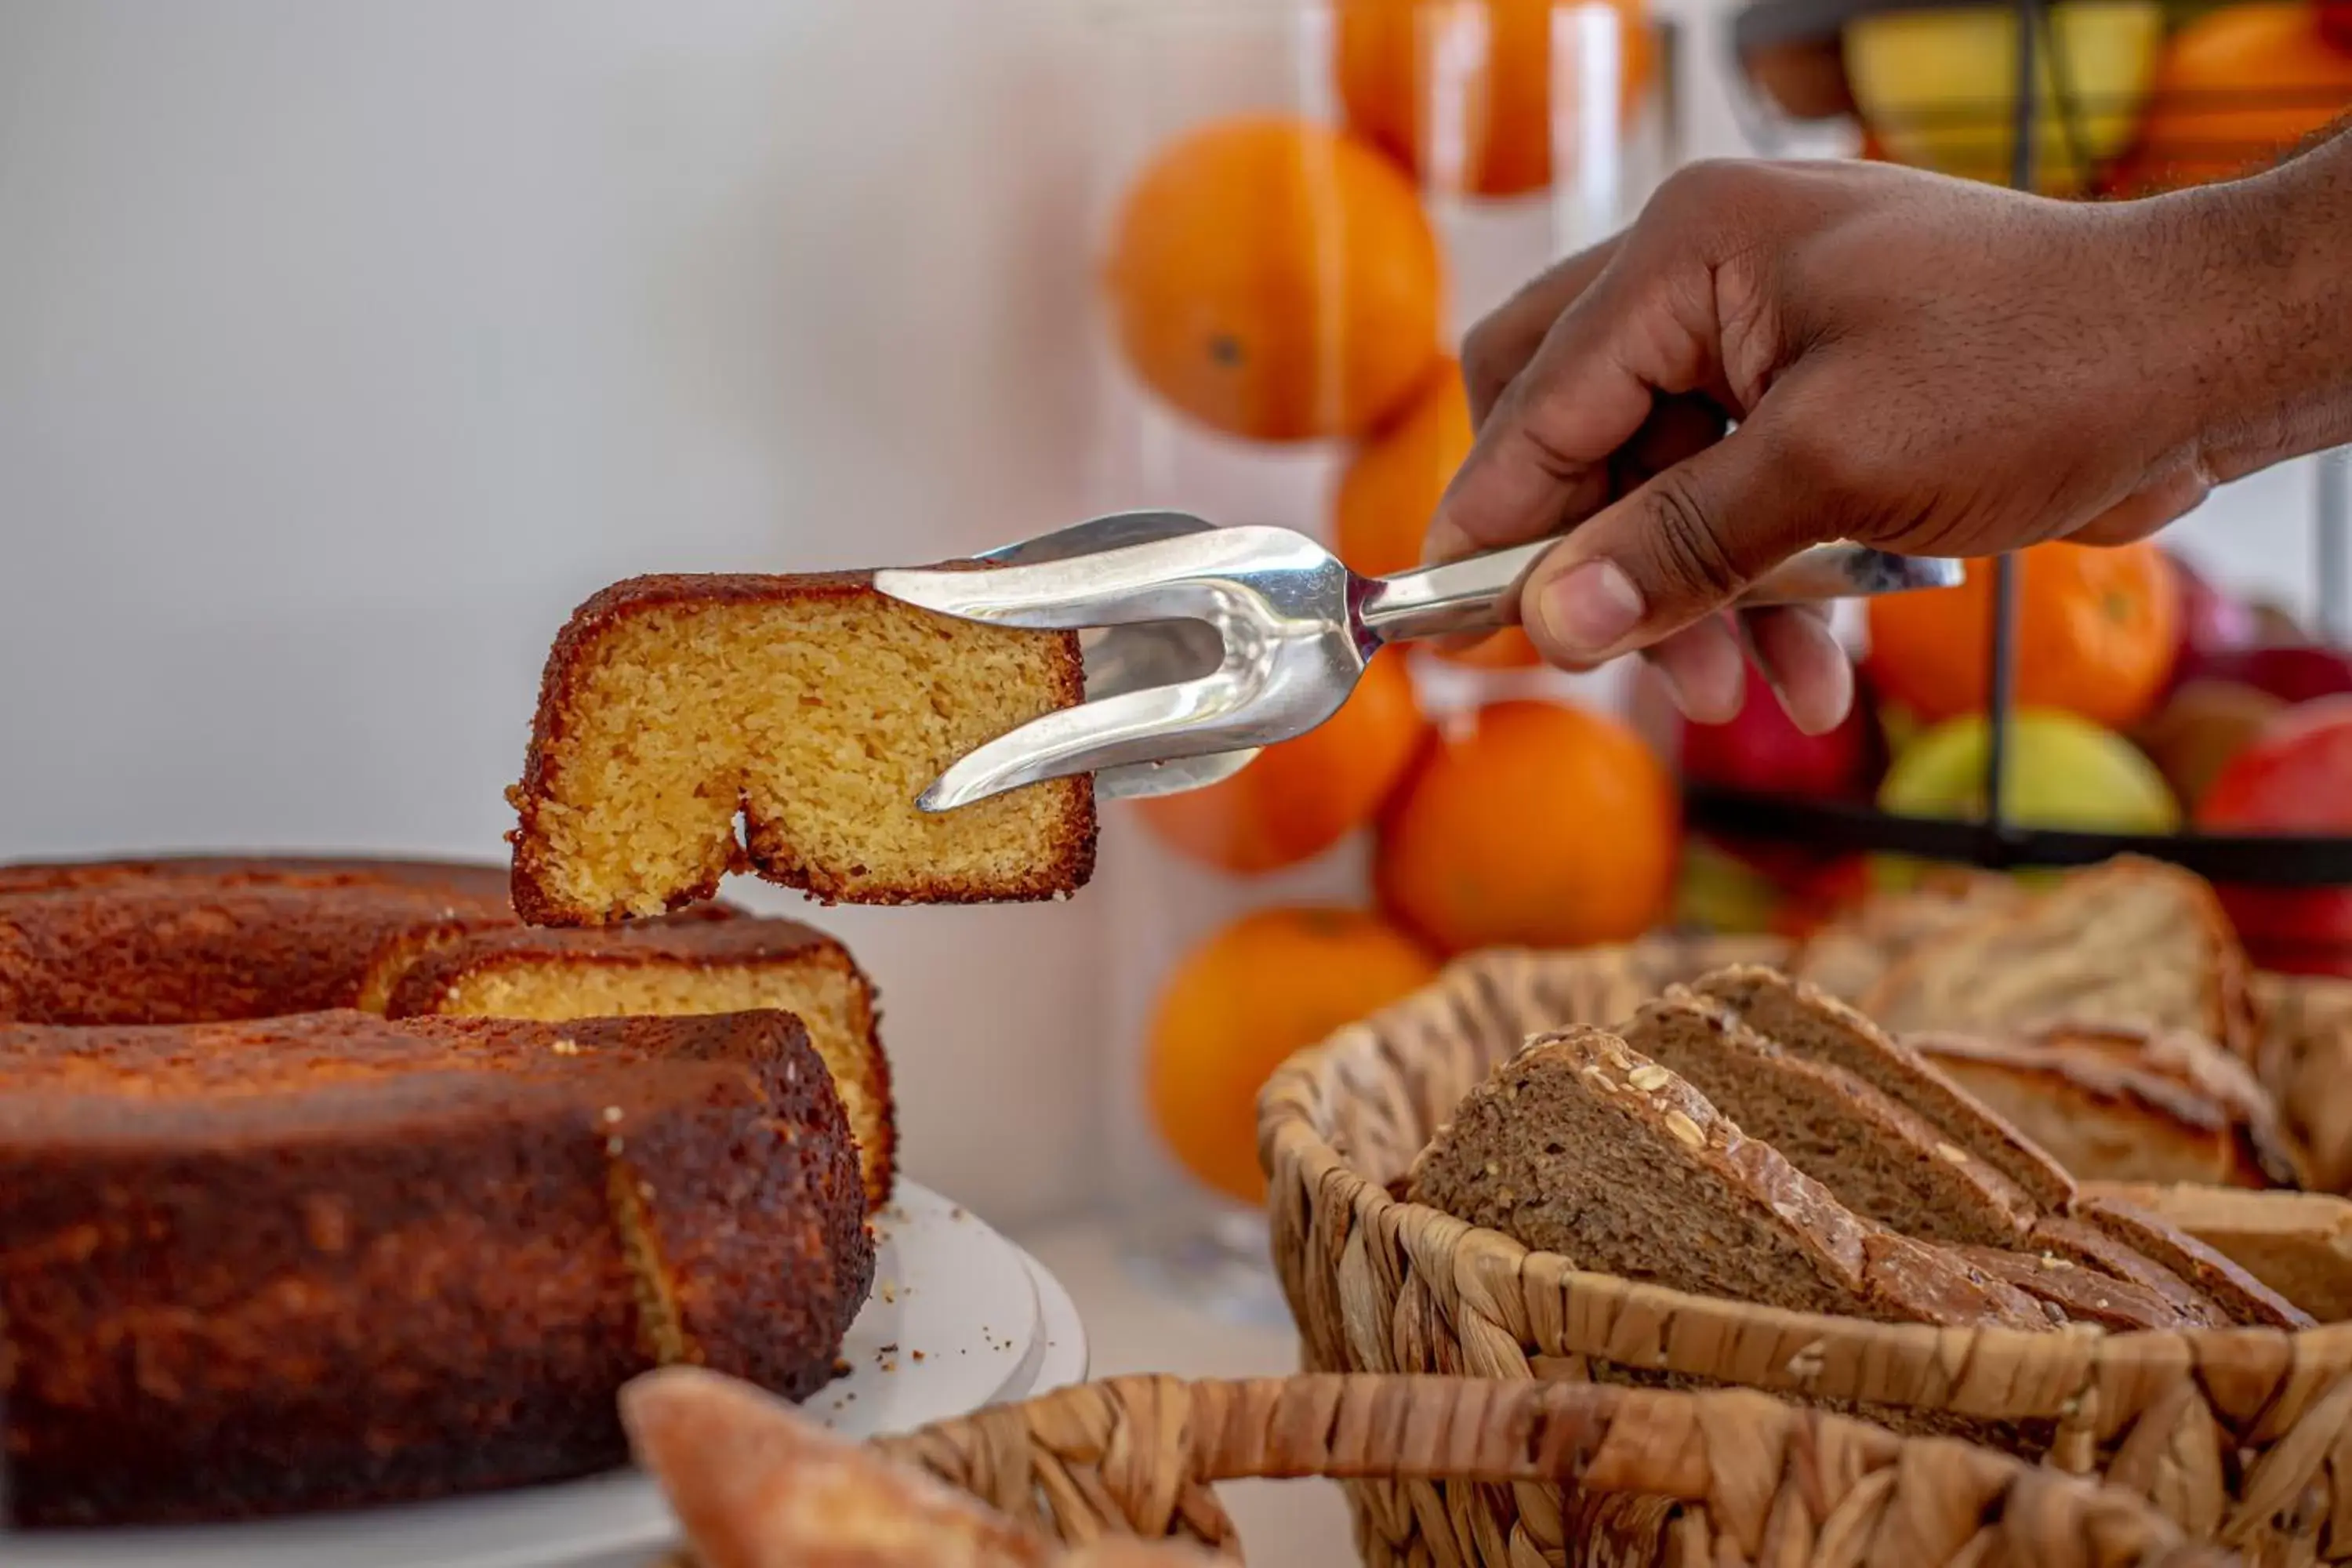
2298 1244
1806 1022
2133 942
2077 1293
1581 1146
2244 1297
1880 1159
2088 1246
2124 1105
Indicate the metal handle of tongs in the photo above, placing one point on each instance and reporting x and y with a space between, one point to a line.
1480 593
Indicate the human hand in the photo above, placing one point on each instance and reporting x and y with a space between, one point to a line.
1915 362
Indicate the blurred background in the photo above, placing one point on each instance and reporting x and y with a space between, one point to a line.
344 347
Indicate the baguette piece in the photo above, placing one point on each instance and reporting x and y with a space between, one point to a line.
2244 1297
1581 1146
1880 1159
1806 1022
2124 1105
760 1484
817 710
2133 943
757 1484
2298 1244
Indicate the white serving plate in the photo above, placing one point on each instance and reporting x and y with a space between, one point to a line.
993 1324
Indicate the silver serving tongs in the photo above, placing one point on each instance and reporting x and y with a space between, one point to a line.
1204 644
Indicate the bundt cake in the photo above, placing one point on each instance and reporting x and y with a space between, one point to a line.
192 939
813 709
667 966
334 1259
263 1251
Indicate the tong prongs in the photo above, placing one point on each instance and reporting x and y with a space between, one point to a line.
1159 724
1186 577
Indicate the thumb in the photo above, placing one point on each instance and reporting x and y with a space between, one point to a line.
1681 547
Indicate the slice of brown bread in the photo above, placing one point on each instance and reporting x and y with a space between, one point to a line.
2133 942
2246 1299
1880 1160
2088 1246
2122 1105
1806 1022
2078 1293
1847 956
1581 1146
2298 1244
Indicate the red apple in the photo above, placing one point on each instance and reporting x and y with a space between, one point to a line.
1761 751
2336 22
2290 672
2295 778
2212 620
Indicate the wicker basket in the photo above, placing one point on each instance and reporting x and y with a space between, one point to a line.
1717 1479
2242 1436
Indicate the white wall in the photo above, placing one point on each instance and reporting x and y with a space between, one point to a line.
345 345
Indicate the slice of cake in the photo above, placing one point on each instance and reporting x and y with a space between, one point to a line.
707 961
814 710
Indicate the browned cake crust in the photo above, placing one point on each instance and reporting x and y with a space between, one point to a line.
463 880
762 850
174 953
332 1261
424 983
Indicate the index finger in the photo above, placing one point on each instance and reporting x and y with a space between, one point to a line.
1543 453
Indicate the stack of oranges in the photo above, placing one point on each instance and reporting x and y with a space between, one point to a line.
1272 280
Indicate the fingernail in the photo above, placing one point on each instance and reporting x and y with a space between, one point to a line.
1444 542
1590 609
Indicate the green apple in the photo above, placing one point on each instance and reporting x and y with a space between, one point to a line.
1940 87
2060 771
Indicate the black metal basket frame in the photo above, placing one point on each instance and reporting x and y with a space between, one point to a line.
2285 860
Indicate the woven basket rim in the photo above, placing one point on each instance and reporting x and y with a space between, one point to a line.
1156 1442
1292 1147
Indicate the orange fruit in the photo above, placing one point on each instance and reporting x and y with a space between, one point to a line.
1302 797
1276 281
2096 632
1389 490
1269 985
1533 825
2236 88
1461 93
